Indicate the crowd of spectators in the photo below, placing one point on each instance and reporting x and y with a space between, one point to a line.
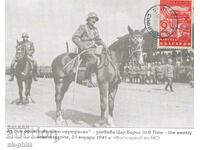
152 71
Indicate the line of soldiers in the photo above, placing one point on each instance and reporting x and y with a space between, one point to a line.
150 73
147 73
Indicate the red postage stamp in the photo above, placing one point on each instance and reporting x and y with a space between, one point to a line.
180 20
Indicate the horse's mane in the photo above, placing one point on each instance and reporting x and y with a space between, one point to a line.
122 41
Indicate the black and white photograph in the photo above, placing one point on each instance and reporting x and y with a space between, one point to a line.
99 63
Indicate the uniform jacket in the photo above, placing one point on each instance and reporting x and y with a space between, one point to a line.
29 47
159 70
169 71
86 37
152 70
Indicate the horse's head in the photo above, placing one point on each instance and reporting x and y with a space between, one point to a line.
135 44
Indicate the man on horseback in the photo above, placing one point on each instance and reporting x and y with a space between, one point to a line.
29 48
87 38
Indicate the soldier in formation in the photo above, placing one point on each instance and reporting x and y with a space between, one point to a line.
169 75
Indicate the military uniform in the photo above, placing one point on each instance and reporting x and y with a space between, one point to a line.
159 73
137 73
143 73
87 38
29 48
169 76
153 73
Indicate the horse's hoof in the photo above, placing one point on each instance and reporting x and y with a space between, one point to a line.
105 125
26 102
19 103
103 122
13 102
31 100
111 122
61 122
28 99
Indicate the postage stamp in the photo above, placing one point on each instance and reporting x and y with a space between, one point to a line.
161 21
176 22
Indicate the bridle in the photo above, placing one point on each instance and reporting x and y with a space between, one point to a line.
134 46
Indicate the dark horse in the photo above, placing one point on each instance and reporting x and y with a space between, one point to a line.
23 73
106 76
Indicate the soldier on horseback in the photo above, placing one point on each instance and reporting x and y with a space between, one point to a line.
87 38
29 48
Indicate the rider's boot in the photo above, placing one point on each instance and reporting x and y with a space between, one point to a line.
119 77
35 78
91 76
35 73
11 74
11 77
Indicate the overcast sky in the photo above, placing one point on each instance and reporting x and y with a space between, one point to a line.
51 22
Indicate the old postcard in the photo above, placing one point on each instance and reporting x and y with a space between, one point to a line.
109 64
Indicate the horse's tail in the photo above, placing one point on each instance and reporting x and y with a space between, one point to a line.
58 66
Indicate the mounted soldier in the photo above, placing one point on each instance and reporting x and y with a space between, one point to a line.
112 59
29 50
87 38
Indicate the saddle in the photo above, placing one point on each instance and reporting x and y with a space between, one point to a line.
82 64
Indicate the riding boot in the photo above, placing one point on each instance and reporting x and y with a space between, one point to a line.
119 78
11 77
35 73
35 78
90 75
12 74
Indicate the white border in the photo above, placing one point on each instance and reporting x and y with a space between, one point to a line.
179 143
2 73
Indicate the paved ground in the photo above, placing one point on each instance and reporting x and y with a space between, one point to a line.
135 106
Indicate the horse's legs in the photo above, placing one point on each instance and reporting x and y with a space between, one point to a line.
20 85
111 99
28 88
103 90
61 86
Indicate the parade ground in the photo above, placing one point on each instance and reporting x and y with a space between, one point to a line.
136 105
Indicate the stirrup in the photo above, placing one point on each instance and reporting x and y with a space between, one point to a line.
11 79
